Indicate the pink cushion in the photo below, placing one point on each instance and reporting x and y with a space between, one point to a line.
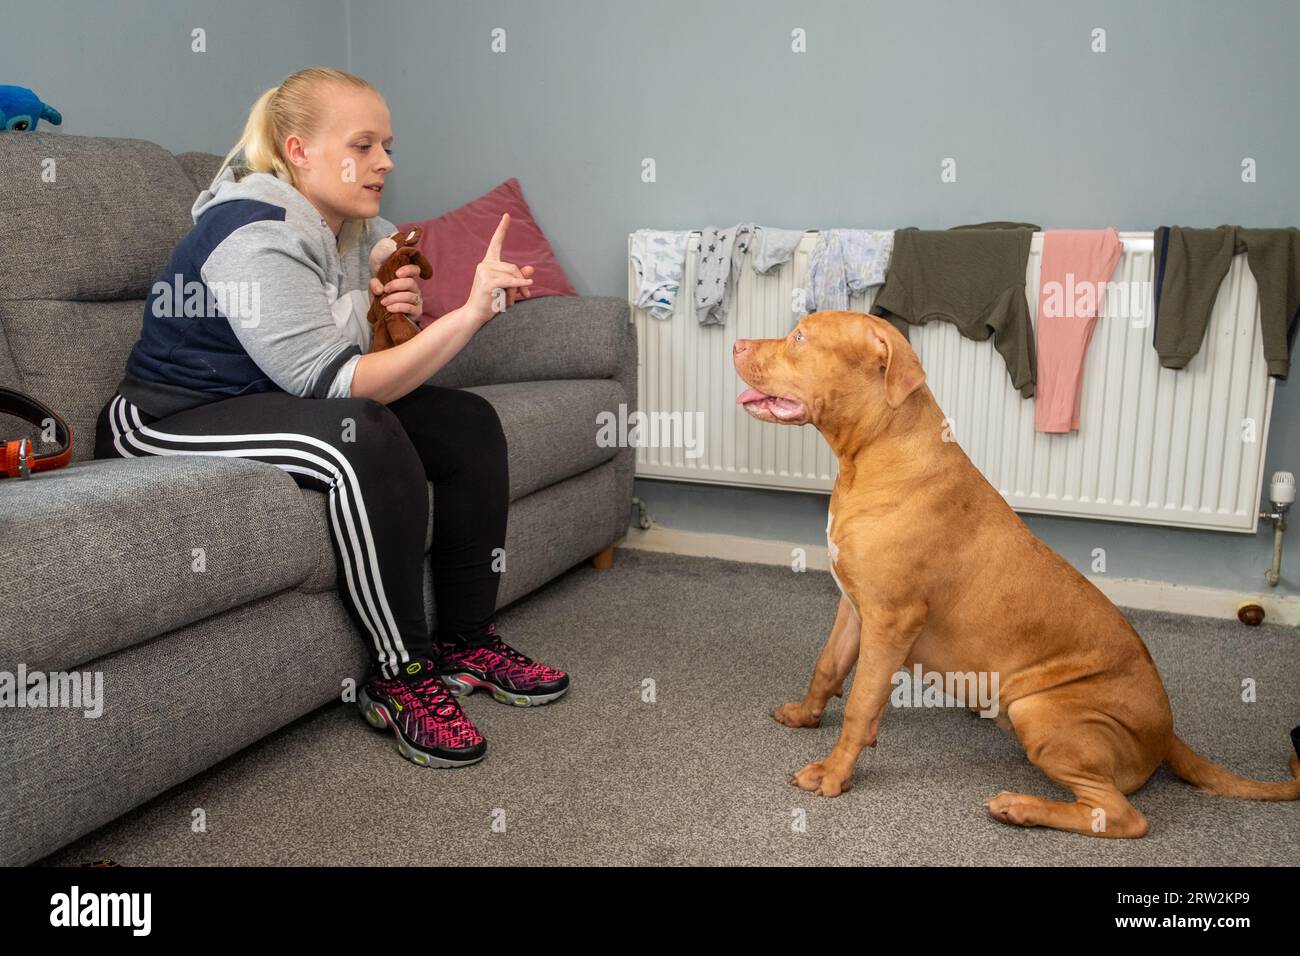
456 242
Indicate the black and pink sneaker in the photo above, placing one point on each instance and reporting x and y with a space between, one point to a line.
430 726
512 677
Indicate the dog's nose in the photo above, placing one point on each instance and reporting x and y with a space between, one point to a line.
740 346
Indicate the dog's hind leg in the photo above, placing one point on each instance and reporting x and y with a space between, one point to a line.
1083 755
833 666
1100 810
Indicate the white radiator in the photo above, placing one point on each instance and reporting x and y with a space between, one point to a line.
1157 446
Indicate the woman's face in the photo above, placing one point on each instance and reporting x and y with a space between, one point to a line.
342 168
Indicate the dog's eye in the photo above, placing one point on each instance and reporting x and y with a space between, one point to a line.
798 335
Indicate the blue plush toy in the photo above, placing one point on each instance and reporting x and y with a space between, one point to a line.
21 110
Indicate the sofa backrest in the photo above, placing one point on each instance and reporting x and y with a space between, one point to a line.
87 224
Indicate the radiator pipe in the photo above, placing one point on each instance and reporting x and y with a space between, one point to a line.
1281 492
1274 574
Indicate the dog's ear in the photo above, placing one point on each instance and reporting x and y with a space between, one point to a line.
426 270
411 244
899 365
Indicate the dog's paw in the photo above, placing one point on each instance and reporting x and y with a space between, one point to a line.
1013 808
820 779
794 714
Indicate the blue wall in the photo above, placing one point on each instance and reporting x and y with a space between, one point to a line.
126 68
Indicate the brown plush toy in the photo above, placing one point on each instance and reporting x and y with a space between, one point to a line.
394 328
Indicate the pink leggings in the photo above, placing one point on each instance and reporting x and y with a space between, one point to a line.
1076 265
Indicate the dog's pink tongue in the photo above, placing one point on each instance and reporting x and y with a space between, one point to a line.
750 395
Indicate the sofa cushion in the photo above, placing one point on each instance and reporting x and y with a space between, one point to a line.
200 167
541 339
551 428
8 375
69 355
100 556
101 229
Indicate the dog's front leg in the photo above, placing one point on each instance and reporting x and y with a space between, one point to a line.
833 665
885 642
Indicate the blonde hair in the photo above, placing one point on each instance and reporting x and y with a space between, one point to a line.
294 108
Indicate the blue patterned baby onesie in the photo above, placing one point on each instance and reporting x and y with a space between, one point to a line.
658 258
846 262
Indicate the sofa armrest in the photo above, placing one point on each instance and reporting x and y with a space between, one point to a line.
555 337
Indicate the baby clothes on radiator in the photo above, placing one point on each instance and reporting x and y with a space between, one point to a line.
774 247
846 262
972 276
720 255
1076 265
658 256
1189 267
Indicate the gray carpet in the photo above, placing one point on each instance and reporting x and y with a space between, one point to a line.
700 776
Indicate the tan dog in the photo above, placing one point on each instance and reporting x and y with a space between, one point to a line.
935 568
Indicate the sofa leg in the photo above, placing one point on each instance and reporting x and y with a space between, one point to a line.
604 560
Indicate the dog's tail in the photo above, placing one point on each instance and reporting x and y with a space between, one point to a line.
1213 779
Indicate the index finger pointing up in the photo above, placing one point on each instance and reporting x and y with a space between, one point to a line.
498 237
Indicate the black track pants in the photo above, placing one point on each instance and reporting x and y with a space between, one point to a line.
373 460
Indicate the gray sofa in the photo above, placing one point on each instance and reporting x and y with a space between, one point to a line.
98 571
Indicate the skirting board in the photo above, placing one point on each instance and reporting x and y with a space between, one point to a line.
1125 592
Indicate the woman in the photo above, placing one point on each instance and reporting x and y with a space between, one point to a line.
273 363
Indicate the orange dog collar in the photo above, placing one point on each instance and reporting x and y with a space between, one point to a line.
18 458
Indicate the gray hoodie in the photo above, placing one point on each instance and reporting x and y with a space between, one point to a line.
258 296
